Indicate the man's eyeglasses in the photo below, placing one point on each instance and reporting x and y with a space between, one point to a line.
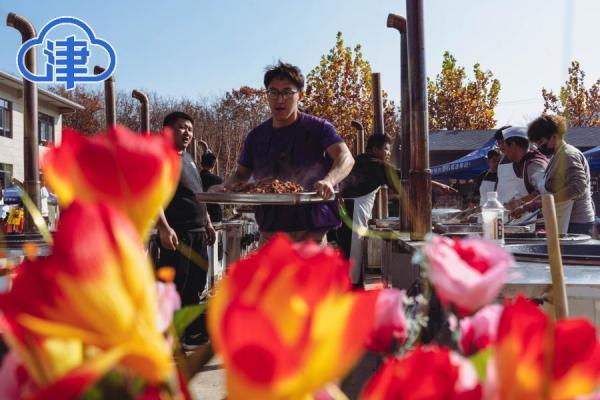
274 94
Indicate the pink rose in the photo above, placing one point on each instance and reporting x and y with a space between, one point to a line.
467 384
466 274
390 322
479 331
168 303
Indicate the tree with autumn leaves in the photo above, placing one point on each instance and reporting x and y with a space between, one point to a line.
87 120
580 106
339 90
458 103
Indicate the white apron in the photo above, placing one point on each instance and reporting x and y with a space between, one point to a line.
510 186
363 209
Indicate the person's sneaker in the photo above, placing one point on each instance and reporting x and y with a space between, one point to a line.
192 342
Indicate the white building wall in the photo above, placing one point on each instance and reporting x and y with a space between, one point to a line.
11 149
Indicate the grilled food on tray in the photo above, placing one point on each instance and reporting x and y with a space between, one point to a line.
266 186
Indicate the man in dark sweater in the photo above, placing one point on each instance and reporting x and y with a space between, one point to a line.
370 171
488 180
186 221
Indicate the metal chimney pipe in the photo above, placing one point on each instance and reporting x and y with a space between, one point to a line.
385 211
360 136
377 103
109 97
204 146
31 177
144 109
420 174
402 146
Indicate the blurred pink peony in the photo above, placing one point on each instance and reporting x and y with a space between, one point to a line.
15 382
168 303
479 331
390 322
466 274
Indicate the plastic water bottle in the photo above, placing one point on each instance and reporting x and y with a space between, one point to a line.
492 215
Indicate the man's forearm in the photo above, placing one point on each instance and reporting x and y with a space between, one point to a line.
162 223
242 174
340 169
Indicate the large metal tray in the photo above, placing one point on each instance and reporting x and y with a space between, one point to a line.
524 238
261 198
582 254
477 228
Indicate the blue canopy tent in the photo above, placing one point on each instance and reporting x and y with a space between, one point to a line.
593 157
466 167
12 196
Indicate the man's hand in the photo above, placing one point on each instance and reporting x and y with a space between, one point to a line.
216 188
211 234
518 212
324 188
448 189
512 205
441 188
525 208
168 238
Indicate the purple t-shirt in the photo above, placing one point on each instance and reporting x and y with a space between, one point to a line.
296 153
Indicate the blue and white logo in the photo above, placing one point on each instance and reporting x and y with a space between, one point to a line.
67 59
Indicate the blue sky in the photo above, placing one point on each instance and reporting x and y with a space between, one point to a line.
206 47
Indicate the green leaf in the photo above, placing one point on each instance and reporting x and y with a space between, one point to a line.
186 315
480 362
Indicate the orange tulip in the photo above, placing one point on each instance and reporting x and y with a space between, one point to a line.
75 382
96 287
137 174
286 323
17 383
46 358
536 357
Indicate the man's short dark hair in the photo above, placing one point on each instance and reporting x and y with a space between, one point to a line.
546 126
493 153
519 141
208 160
283 70
499 135
378 140
174 116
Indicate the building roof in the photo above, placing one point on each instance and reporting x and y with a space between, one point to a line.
64 105
471 140
459 140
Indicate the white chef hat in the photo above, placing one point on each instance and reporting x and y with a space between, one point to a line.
516 131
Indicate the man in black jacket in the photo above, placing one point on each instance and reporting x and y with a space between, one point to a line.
186 221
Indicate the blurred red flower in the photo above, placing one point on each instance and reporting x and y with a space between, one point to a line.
285 321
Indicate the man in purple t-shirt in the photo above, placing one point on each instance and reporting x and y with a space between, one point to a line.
298 147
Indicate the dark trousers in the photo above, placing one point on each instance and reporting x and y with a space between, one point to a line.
190 278
585 228
343 235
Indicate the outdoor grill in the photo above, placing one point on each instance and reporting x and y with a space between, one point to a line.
234 240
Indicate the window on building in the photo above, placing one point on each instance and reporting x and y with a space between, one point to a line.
5 118
45 129
6 172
